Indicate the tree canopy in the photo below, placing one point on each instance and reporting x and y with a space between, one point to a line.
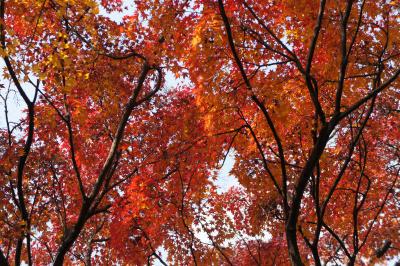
125 125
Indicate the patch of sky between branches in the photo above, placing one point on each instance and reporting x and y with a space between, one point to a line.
117 16
224 180
14 101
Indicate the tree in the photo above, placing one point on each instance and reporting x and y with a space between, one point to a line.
109 165
310 83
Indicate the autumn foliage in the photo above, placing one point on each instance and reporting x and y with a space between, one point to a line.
129 110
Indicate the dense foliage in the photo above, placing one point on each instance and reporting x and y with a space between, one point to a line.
125 124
